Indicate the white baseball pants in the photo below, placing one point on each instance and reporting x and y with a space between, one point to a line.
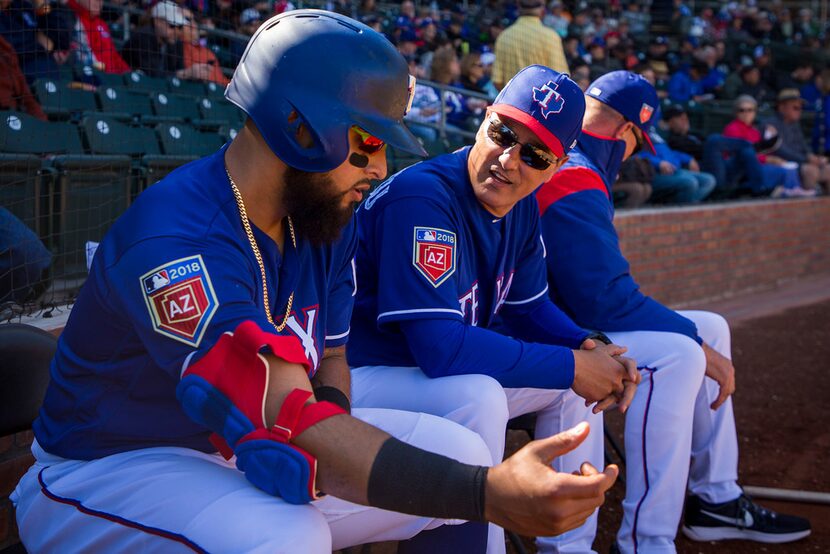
479 403
668 422
171 499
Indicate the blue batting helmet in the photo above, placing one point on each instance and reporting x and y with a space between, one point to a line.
329 71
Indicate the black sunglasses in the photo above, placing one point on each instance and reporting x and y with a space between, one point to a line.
639 138
532 155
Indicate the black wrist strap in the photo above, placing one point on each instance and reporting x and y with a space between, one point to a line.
601 337
413 481
334 395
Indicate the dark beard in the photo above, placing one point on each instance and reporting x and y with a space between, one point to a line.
316 212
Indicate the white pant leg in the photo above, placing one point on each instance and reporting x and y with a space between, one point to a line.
556 411
157 500
714 470
177 500
477 402
658 437
353 524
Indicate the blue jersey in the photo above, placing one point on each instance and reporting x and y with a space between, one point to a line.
589 277
174 273
428 250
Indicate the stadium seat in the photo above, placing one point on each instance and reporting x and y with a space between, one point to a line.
60 101
228 132
183 140
180 143
107 135
214 90
89 74
122 104
186 88
26 352
174 107
216 112
139 82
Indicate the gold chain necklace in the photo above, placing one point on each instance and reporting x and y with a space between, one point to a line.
247 226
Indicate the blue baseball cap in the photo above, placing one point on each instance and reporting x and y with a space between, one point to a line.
547 102
629 94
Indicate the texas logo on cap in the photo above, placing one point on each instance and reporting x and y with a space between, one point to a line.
549 100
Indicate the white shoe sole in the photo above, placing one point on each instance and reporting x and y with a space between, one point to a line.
706 534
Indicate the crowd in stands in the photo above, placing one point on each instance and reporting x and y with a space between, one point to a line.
716 59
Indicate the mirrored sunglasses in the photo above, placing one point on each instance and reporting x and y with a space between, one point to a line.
532 155
369 143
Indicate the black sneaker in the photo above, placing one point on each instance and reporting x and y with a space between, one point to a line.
740 519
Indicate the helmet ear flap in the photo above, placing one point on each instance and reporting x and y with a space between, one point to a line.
303 134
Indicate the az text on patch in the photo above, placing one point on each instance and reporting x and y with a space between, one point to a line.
433 253
180 299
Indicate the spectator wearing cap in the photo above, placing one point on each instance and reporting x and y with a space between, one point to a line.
407 42
154 48
557 18
527 42
752 85
601 63
687 84
638 19
95 44
249 21
678 178
813 169
779 178
658 49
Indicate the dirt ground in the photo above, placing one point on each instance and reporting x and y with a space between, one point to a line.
782 413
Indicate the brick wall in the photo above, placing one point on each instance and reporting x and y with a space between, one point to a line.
685 255
678 255
15 459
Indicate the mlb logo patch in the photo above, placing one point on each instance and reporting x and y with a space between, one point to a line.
180 299
433 253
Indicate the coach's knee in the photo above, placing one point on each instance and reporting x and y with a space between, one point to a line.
481 402
308 533
711 327
684 358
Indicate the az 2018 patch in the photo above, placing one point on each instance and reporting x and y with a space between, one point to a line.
180 298
433 253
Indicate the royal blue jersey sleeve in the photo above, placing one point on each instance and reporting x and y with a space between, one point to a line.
342 291
417 259
444 347
544 323
180 295
589 275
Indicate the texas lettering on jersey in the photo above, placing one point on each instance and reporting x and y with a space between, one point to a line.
180 298
305 330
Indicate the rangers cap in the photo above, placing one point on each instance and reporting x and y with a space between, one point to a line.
629 94
548 103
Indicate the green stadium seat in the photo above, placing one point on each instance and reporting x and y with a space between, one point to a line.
23 134
107 135
61 101
183 140
174 107
214 90
186 88
228 132
217 112
123 104
89 74
180 144
139 82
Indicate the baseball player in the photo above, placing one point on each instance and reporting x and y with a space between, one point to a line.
215 317
445 246
682 408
